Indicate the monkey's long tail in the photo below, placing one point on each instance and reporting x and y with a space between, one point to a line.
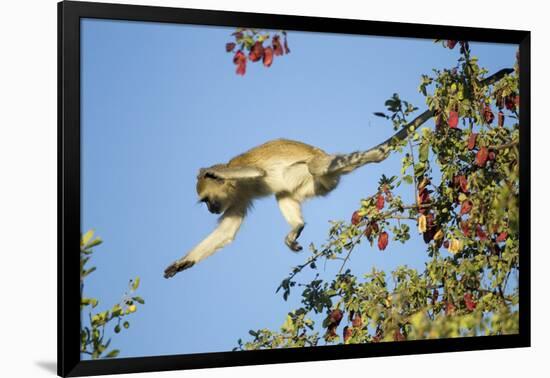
349 162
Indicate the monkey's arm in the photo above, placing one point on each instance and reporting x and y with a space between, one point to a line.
224 234
234 173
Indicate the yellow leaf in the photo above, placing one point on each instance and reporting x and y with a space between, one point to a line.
288 325
455 246
86 237
422 223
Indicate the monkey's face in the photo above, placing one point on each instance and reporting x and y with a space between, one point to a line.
215 192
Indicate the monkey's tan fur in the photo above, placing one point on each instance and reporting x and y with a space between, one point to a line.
290 170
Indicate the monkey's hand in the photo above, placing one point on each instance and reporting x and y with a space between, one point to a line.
293 245
291 239
177 267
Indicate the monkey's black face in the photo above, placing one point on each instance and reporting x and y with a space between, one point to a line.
213 206
217 194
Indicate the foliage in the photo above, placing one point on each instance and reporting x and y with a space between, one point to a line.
464 174
93 340
253 45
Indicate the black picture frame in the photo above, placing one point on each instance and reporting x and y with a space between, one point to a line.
69 15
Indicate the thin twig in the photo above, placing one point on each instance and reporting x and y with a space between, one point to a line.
504 146
347 257
414 176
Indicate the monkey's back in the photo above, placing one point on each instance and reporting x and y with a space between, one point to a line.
278 151
287 169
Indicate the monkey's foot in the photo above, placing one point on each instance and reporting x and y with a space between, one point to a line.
291 239
177 267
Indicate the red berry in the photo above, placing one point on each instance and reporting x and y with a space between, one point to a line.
335 317
229 46
398 336
380 202
481 156
510 102
256 52
451 43
371 227
277 47
461 182
423 198
480 233
453 119
469 302
466 207
465 227
355 218
431 229
488 114
472 141
268 56
240 60
500 119
502 237
382 240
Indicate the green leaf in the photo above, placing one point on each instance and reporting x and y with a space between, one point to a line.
135 284
126 324
138 300
95 242
85 273
423 151
116 310
113 353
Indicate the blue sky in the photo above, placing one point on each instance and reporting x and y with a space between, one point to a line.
159 101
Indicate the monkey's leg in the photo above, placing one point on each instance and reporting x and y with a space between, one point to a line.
224 234
292 212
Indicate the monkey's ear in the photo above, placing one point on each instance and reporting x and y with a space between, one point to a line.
233 173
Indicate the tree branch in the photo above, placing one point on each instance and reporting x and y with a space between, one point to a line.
504 146
382 151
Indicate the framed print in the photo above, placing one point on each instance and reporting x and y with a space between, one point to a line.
252 189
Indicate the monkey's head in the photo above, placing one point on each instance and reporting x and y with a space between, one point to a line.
215 190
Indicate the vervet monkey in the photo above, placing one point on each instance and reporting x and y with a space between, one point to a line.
290 170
